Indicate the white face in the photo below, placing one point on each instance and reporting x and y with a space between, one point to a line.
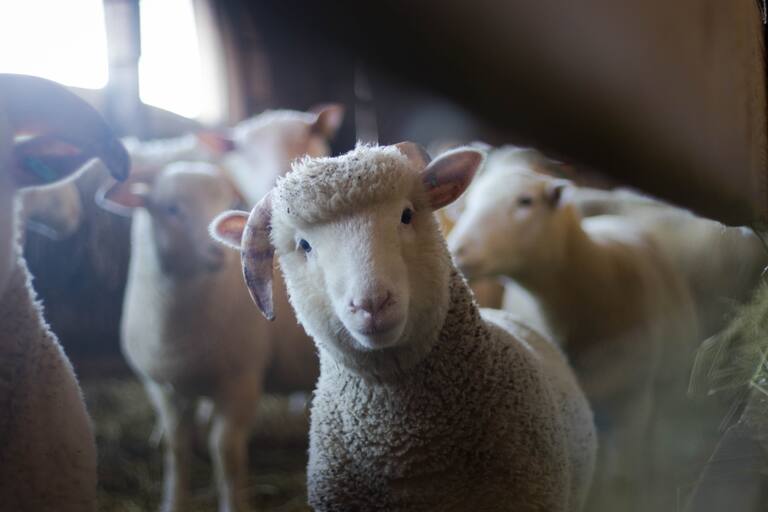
509 220
366 272
182 203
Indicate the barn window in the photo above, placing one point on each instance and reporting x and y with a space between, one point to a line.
170 70
60 40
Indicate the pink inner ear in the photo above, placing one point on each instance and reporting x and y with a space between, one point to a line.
329 119
231 227
446 178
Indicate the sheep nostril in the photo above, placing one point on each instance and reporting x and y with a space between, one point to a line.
372 305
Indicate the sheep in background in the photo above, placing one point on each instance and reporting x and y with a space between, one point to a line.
422 403
611 298
253 154
721 264
186 328
47 454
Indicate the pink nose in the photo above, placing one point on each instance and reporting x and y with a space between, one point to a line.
372 305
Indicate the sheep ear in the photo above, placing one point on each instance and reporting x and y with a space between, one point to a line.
257 255
415 154
329 119
449 175
553 193
123 198
227 228
56 132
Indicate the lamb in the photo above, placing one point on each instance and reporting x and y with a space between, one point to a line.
180 328
722 265
47 453
424 402
609 296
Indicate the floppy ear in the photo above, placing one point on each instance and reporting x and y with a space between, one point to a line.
123 198
257 255
449 175
227 228
55 132
553 194
329 119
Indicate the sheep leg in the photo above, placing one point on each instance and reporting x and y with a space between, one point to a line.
228 442
177 419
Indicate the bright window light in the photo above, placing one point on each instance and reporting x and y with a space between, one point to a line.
170 73
62 40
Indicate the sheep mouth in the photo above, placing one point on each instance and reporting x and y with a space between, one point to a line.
379 335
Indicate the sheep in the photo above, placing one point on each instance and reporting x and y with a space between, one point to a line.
607 294
722 265
180 331
735 256
424 402
48 453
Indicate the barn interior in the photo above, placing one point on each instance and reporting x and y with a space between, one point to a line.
647 100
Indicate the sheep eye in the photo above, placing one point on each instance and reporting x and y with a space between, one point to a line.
173 210
305 245
524 201
407 216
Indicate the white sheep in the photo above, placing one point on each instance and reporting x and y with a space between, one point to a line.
424 402
181 329
177 272
606 292
47 452
721 264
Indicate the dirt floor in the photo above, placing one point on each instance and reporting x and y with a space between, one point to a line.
130 465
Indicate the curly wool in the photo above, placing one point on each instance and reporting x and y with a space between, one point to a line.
482 423
319 189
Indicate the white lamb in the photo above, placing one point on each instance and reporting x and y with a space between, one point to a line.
184 295
47 449
423 402
608 295
185 328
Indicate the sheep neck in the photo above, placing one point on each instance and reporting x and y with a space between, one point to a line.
578 304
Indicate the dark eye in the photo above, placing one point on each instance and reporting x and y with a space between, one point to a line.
407 216
305 245
172 210
524 201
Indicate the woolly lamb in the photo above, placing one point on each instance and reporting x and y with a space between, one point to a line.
424 402
186 331
47 453
606 293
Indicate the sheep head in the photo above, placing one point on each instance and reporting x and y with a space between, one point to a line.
366 267
181 200
513 219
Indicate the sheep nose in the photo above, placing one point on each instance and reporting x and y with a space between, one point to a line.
372 305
